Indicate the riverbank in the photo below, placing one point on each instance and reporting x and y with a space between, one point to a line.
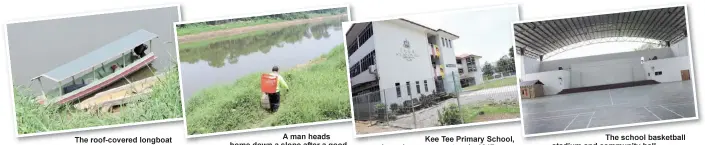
193 34
164 102
318 92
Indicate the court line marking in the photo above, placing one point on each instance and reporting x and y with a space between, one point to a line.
652 113
559 116
571 122
671 111
610 92
590 121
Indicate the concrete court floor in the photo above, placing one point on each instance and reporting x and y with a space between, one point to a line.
620 106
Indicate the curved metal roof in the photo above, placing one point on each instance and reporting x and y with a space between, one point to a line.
541 37
97 56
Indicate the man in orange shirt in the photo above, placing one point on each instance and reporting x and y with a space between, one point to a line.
275 96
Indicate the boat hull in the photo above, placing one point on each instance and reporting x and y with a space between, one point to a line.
92 88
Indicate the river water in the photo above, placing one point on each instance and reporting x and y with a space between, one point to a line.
224 61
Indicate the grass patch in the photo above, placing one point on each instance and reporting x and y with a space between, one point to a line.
204 43
470 113
318 92
203 27
164 103
493 84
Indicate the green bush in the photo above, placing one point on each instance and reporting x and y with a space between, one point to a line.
450 115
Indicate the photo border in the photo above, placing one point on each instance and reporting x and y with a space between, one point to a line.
183 104
470 9
603 12
93 13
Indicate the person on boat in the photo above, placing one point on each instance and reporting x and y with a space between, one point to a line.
272 83
139 51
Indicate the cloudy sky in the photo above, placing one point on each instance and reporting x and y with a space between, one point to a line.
486 32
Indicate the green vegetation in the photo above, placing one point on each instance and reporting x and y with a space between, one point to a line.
493 84
450 115
194 28
505 109
318 92
163 103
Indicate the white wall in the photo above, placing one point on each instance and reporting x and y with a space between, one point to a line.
529 65
478 73
566 63
670 68
606 72
554 81
389 39
361 52
680 48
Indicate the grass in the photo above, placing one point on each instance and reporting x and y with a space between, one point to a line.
490 107
199 44
164 103
318 92
202 27
493 84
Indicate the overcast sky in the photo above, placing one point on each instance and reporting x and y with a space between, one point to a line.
485 32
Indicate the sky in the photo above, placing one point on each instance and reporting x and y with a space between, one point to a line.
486 32
597 49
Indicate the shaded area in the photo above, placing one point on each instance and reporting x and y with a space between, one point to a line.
539 38
608 86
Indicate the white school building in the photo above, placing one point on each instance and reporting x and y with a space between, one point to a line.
397 60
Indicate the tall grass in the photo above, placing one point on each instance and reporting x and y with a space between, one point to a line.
318 92
490 107
163 103
508 81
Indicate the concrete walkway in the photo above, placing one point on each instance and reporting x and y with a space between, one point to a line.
621 106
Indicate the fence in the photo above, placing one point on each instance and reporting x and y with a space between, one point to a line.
419 104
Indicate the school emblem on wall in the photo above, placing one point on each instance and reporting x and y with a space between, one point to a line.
405 52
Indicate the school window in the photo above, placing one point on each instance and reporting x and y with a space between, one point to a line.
450 44
398 89
425 85
443 42
418 87
408 88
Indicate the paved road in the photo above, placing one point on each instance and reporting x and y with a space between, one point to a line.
428 117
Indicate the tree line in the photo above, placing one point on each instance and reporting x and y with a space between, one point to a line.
505 64
283 16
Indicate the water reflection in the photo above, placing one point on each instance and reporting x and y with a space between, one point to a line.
216 54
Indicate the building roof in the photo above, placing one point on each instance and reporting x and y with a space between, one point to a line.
541 37
98 56
429 28
530 83
464 55
405 20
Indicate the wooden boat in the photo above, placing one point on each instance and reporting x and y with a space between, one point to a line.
99 68
120 95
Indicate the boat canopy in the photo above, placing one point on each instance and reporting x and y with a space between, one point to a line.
98 56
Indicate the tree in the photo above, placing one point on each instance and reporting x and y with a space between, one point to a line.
487 69
511 52
646 46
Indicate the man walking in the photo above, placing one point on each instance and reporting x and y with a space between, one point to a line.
272 83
